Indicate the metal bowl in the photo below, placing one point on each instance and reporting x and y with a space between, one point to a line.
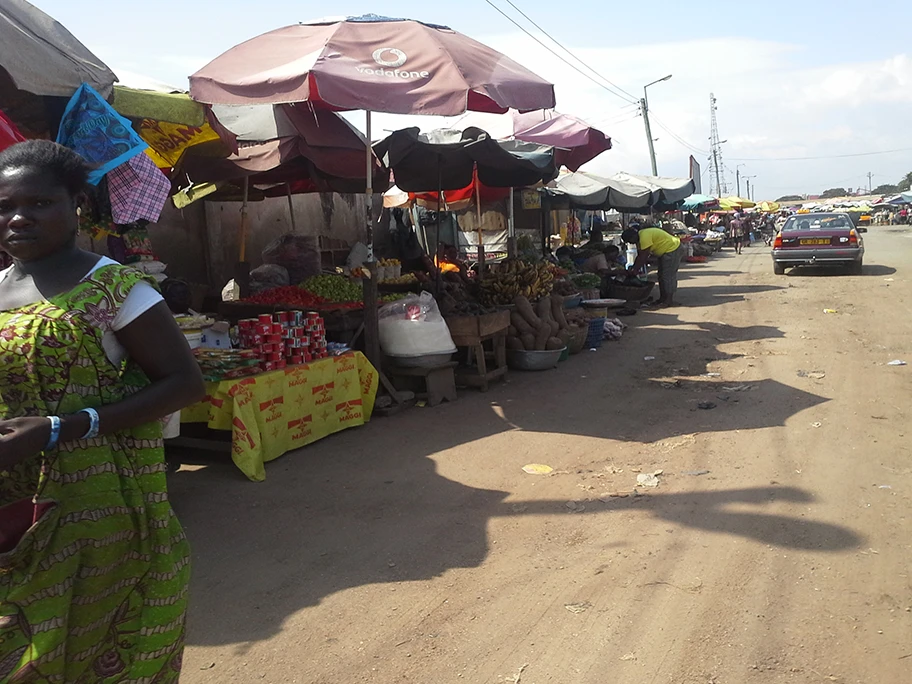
533 360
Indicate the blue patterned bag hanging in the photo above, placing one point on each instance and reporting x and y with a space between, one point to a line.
91 127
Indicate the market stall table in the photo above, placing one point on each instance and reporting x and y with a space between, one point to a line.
273 413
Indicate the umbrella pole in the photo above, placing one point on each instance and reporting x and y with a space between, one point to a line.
437 238
294 228
242 267
369 187
511 227
242 252
371 314
481 248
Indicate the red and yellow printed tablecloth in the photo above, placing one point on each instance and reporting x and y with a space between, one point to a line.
273 413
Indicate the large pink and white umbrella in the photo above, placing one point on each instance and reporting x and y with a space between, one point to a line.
394 66
378 64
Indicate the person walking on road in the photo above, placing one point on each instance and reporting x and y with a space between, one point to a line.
669 251
736 232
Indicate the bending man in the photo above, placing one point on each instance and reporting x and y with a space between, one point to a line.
667 249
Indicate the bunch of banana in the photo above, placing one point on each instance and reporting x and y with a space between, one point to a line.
516 277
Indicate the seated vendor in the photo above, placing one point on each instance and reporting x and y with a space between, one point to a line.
602 260
451 266
596 239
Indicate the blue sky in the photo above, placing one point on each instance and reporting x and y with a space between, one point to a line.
793 79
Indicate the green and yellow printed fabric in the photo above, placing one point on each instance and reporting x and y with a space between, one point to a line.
96 590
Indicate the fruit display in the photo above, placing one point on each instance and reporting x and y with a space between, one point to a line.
565 288
456 299
334 288
389 263
516 278
544 326
404 279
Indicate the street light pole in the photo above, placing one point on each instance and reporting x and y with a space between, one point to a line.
738 179
644 107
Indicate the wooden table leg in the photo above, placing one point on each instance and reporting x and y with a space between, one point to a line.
500 350
482 364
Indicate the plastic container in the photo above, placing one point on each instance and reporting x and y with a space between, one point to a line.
194 338
573 301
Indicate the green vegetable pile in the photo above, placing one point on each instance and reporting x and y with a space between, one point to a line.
586 280
333 288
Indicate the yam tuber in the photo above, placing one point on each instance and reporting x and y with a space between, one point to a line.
543 309
514 342
528 342
541 338
557 311
525 310
521 324
554 343
512 331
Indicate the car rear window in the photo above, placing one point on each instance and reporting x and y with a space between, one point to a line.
817 223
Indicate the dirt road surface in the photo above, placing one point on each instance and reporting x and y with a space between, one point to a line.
416 549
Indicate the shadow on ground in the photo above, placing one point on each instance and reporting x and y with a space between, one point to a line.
829 271
367 506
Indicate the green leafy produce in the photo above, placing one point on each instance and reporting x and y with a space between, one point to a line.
586 280
333 288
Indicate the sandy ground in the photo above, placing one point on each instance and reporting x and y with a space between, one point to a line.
416 549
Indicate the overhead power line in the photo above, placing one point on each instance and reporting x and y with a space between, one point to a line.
678 138
522 28
633 98
829 156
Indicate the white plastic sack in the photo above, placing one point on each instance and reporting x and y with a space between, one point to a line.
413 326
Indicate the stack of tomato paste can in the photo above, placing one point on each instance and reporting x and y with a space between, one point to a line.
285 338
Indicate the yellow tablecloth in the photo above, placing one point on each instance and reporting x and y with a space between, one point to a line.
273 413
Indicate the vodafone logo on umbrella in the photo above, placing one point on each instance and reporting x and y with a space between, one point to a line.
389 59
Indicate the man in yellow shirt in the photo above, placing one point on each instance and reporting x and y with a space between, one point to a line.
667 249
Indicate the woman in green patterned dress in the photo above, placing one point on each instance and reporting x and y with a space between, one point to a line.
94 566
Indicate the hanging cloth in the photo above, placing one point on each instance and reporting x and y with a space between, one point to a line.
91 127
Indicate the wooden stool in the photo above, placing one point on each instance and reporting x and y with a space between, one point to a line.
476 373
439 381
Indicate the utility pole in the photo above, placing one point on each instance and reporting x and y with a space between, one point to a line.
750 192
870 176
738 182
715 158
652 153
716 147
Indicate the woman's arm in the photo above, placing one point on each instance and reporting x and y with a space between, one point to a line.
157 345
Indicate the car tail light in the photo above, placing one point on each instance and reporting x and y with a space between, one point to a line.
777 243
853 238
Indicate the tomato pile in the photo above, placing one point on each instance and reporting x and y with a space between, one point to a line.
295 297
288 295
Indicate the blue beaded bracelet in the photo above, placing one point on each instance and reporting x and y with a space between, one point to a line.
93 423
55 433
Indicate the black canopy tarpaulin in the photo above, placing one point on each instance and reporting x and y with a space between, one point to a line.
446 159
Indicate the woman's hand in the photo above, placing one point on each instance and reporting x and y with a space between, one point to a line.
22 438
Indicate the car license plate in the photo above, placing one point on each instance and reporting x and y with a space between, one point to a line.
815 241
